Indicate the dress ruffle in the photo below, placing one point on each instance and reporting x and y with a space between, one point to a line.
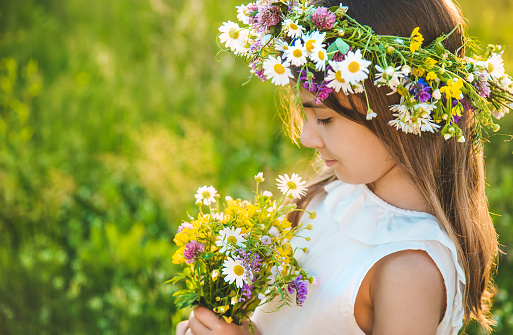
377 222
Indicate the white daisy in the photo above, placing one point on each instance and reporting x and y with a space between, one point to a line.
243 43
335 79
242 15
413 121
319 57
206 195
230 34
313 40
278 72
357 88
229 238
354 68
292 184
234 271
390 75
495 65
292 28
281 45
296 54
267 194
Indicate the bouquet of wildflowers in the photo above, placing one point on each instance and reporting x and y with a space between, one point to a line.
239 257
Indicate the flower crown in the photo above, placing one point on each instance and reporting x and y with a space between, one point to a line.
436 86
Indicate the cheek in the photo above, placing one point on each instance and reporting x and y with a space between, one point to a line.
363 159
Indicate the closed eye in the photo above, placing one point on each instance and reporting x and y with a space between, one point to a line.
324 121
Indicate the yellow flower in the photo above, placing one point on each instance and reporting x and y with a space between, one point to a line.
183 237
416 40
452 89
228 319
430 63
431 76
252 209
456 110
178 256
285 224
418 72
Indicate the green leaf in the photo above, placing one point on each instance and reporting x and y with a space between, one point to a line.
331 49
208 255
182 292
342 46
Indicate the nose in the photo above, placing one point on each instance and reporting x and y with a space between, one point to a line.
309 134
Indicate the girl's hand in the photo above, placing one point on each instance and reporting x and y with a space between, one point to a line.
203 321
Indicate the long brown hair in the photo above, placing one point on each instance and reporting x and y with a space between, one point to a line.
449 174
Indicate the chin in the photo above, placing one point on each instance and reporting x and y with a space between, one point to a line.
353 180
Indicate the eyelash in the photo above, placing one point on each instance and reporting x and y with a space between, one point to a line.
324 121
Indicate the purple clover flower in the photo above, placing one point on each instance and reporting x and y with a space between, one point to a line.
301 287
420 90
321 90
267 16
323 18
482 86
250 8
192 250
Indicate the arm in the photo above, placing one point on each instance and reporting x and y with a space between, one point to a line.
408 294
203 321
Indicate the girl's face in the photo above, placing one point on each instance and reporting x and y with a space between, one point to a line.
355 154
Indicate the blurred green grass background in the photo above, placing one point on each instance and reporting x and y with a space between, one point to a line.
112 113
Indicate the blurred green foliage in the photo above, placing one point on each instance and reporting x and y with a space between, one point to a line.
112 113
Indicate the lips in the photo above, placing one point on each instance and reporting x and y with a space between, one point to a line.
329 162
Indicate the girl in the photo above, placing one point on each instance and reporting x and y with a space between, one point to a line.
403 242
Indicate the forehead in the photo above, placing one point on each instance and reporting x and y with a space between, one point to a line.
308 100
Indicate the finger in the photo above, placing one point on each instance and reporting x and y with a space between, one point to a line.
196 326
189 332
182 327
207 317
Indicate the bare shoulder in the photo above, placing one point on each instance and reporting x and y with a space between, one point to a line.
408 294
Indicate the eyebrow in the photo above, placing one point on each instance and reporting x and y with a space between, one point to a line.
309 104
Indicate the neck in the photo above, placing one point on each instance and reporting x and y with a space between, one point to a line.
397 188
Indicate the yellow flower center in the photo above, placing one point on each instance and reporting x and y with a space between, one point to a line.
233 33
206 195
321 55
279 69
353 67
293 26
238 270
291 185
490 67
297 53
310 45
232 239
338 76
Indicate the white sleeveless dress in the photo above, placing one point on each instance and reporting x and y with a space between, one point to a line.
354 229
